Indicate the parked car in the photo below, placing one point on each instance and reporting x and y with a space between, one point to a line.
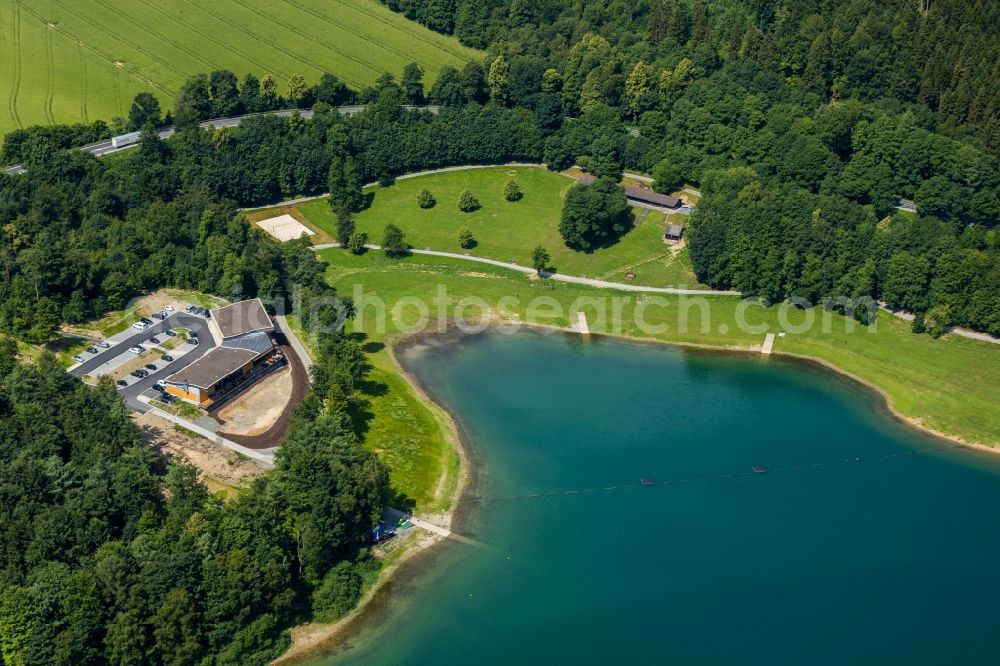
140 325
162 383
170 333
151 366
159 316
168 308
166 358
167 398
136 350
192 334
137 373
77 358
146 320
154 340
192 341
121 383
105 344
91 350
189 309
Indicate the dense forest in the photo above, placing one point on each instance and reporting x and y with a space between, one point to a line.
109 556
939 54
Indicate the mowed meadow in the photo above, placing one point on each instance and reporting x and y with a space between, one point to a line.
69 61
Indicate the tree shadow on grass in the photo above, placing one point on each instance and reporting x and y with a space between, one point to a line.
626 225
360 408
400 500
361 415
367 199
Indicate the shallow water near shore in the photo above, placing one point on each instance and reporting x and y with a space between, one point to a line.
863 540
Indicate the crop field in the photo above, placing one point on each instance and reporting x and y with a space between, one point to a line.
67 61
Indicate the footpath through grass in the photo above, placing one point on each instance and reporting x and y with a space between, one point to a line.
509 231
85 60
949 385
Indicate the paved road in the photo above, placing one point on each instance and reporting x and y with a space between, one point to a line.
955 330
601 284
121 347
105 148
293 340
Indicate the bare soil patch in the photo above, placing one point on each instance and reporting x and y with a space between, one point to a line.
218 465
257 409
273 435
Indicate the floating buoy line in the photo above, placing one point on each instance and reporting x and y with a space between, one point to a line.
755 470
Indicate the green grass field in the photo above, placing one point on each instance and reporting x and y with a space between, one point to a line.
66 61
509 231
949 385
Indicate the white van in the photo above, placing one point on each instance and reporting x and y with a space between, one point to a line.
140 325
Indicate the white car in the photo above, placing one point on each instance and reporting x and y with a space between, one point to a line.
161 382
136 350
105 344
140 325
168 308
78 359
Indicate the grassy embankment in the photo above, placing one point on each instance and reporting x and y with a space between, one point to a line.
80 61
948 385
509 231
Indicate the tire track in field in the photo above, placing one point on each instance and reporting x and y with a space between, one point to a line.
293 29
119 38
345 28
179 47
117 89
249 58
83 79
103 55
273 45
50 84
364 63
15 88
405 27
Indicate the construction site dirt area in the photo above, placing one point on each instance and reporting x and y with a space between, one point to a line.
258 408
220 467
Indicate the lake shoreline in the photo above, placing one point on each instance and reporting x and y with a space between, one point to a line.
313 641
321 641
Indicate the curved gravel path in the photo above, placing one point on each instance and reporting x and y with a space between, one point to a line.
602 284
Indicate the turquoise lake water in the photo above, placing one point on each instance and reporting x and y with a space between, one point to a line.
856 546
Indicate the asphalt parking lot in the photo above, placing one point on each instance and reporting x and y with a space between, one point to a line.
95 363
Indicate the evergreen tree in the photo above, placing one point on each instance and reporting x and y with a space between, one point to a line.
345 226
468 203
465 238
357 242
413 83
344 184
511 191
425 199
393 242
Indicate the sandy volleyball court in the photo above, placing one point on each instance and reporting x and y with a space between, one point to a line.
284 227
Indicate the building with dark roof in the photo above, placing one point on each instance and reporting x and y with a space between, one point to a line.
241 318
673 232
641 196
644 197
244 333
